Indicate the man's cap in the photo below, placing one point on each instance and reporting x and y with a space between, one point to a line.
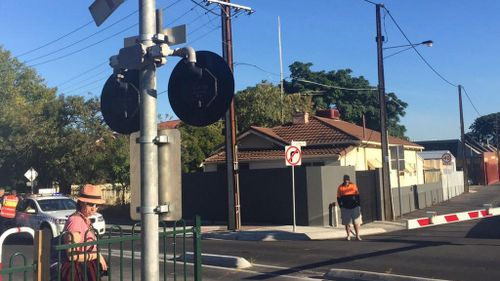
346 177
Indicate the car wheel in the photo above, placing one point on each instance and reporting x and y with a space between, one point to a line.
47 231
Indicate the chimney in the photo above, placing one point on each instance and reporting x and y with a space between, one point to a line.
331 113
300 118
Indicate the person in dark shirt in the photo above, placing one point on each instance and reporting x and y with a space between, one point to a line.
350 210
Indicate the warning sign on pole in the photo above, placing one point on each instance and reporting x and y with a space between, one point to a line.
293 155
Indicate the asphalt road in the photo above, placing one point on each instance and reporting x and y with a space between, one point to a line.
460 251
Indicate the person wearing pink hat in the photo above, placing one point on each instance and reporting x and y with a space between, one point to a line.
78 229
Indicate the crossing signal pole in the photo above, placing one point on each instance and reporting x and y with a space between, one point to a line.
207 99
233 184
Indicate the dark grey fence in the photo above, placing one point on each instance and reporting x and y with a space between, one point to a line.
266 195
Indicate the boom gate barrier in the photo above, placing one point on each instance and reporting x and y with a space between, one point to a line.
10 270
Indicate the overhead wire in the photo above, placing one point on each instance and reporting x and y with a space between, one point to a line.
415 49
71 87
86 85
56 40
106 62
468 97
81 40
337 87
426 62
86 47
82 73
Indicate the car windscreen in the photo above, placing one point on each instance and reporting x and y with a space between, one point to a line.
57 204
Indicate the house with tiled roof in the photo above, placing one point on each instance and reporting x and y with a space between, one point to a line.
329 141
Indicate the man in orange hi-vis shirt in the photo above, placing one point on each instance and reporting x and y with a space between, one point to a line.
350 210
8 211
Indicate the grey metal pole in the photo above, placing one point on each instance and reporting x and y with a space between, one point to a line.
386 180
149 151
293 197
462 137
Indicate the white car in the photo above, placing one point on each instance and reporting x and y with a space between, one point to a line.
52 212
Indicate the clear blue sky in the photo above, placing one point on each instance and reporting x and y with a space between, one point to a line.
331 34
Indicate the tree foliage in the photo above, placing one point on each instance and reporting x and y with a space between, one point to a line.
198 143
351 104
485 129
63 138
261 105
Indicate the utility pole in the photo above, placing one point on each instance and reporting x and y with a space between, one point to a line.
149 151
462 138
386 180
234 219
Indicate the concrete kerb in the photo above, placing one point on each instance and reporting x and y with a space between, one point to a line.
348 274
303 233
218 260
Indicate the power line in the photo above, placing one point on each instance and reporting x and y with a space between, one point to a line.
84 48
81 40
368 1
205 8
55 40
256 66
79 75
415 49
468 97
71 88
337 87
86 85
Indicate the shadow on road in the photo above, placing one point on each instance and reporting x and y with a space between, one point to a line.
331 262
488 228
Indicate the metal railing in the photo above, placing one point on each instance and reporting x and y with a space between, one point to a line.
120 249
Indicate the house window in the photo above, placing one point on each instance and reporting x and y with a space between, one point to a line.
397 154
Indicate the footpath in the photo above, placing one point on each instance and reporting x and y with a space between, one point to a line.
474 200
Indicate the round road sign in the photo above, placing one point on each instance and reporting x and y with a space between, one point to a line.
446 158
293 155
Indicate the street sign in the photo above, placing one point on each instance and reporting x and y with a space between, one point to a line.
173 36
298 143
31 174
446 158
102 9
293 155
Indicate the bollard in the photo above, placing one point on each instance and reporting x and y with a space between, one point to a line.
431 215
488 208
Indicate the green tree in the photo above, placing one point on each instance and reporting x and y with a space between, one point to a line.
198 143
351 104
485 128
261 105
57 135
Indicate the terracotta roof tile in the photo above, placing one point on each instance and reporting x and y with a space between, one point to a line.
256 155
357 132
314 133
173 124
